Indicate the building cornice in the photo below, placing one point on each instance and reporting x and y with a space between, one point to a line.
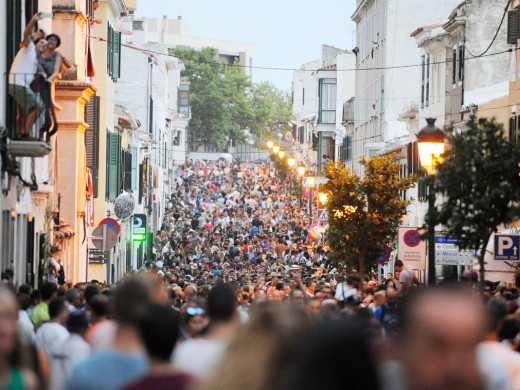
356 16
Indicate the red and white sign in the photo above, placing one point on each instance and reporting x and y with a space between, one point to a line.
411 249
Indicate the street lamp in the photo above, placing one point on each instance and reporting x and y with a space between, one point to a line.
270 145
323 197
281 154
301 172
276 149
291 161
311 181
430 143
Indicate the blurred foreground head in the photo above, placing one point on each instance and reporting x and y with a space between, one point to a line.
437 336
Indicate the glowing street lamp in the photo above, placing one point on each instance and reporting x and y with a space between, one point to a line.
270 144
430 142
323 197
281 154
276 149
291 161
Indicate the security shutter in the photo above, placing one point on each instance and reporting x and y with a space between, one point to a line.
513 26
113 184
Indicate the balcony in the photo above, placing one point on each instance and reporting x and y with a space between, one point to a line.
30 116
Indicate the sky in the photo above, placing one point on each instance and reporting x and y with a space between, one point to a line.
286 33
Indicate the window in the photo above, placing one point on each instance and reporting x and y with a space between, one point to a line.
184 100
127 173
423 80
461 62
327 91
513 128
92 139
113 53
301 134
150 116
345 152
427 96
454 66
113 181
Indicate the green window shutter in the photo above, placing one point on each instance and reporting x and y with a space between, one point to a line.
113 165
116 53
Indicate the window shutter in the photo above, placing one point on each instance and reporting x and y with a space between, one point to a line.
513 26
116 52
113 166
150 123
92 133
127 182
134 169
109 49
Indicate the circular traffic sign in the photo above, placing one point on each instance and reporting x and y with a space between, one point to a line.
104 237
412 238
385 256
112 223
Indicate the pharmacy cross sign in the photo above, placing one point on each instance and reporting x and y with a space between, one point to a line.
412 238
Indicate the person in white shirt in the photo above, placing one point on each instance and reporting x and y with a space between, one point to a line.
22 73
50 334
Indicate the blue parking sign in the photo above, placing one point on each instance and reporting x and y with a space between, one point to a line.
507 247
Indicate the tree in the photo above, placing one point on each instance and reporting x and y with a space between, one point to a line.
219 98
224 102
479 183
271 110
364 212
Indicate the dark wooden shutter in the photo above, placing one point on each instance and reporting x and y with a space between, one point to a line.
141 183
150 123
113 166
92 133
127 181
513 26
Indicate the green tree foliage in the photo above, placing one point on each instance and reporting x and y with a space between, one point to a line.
479 183
224 102
271 110
364 212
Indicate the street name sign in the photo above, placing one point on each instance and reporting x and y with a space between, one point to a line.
448 253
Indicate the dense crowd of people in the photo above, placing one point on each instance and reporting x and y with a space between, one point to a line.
238 295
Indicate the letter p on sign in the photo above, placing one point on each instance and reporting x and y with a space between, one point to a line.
504 243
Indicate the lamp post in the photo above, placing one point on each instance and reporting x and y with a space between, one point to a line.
311 181
270 145
430 142
301 172
281 154
276 149
290 161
